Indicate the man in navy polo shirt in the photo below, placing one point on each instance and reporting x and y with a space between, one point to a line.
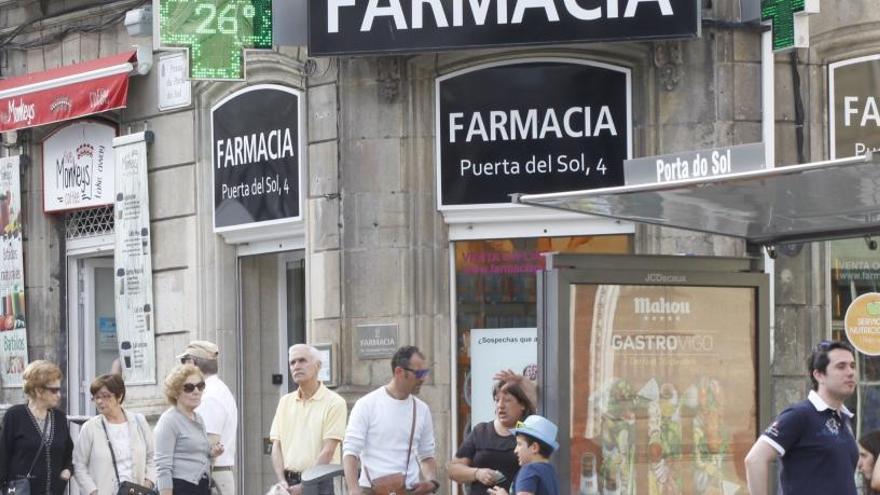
814 437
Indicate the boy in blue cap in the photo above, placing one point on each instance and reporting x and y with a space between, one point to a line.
535 442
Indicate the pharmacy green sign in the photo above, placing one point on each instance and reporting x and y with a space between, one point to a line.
788 19
216 32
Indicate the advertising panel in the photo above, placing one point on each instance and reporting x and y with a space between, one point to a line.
133 266
78 167
664 389
531 126
256 152
493 350
853 110
345 27
13 327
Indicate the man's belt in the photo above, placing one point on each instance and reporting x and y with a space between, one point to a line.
221 468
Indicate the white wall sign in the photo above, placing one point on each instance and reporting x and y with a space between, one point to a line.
78 167
133 266
493 350
175 88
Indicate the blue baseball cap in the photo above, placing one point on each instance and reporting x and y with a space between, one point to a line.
540 428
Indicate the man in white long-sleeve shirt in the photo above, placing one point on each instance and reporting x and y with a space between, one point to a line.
377 438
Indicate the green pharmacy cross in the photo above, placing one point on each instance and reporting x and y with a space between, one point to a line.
789 20
216 32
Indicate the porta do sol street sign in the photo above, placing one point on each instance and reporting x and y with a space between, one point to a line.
215 32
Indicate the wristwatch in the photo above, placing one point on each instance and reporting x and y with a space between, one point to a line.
436 485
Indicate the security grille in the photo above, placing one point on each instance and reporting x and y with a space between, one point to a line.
90 222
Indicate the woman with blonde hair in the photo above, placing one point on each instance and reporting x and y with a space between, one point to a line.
35 444
183 452
115 446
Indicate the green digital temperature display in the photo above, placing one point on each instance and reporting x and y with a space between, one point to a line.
782 14
216 32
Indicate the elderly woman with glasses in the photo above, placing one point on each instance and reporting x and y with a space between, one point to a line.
114 446
35 444
183 452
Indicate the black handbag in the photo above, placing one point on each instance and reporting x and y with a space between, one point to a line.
22 486
125 487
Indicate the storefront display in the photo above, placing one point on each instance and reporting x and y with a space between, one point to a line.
496 298
855 271
664 398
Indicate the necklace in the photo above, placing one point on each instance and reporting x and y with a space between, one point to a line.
46 437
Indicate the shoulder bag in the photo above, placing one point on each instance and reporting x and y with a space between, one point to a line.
22 486
125 487
394 484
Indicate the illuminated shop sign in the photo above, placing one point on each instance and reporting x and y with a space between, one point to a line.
216 32
339 27
530 126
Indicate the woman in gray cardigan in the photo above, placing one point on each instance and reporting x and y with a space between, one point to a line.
183 453
97 471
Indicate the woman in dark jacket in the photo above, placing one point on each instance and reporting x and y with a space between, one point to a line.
35 441
486 457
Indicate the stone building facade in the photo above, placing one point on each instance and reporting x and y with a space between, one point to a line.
372 247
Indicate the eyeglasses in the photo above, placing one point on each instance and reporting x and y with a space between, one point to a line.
53 390
190 387
419 373
184 359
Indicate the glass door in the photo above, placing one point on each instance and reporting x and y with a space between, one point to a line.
92 312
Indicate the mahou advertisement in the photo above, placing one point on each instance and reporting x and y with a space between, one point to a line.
13 330
664 389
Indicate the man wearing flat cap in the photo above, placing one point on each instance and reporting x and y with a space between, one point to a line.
218 409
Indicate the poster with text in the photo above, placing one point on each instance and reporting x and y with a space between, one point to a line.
13 326
664 389
493 350
133 267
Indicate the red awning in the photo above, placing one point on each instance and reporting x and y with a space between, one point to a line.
65 93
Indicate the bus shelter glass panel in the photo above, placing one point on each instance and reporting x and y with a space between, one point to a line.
663 387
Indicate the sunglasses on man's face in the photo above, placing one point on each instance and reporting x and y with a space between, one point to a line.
190 387
419 373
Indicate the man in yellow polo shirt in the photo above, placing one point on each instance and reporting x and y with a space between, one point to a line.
309 423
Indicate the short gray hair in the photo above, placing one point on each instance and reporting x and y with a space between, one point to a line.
314 353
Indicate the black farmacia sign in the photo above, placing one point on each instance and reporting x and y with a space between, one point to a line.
256 156
345 27
531 127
